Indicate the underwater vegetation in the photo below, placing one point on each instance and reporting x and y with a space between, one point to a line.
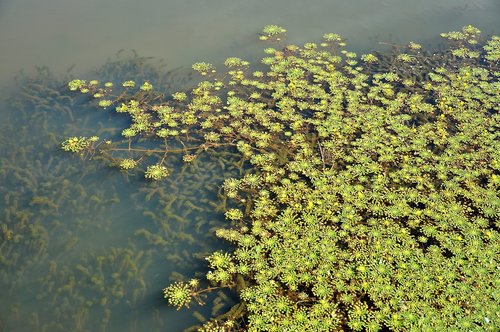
81 244
367 196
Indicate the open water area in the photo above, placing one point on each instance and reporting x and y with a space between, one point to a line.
87 247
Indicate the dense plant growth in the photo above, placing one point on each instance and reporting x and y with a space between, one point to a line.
370 195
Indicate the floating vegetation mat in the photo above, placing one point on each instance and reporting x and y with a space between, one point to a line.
359 192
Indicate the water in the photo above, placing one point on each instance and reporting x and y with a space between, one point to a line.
62 33
84 247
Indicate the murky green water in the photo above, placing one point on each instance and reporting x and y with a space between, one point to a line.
84 247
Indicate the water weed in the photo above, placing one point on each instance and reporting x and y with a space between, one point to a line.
369 193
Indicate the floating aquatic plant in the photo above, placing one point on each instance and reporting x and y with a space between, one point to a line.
370 199
78 144
128 164
156 172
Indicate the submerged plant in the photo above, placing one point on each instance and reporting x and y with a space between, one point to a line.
369 191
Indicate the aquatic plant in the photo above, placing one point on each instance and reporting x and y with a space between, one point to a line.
370 199
156 172
52 205
78 144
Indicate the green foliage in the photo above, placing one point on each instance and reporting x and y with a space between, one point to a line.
128 84
78 144
371 198
146 86
203 68
76 84
234 214
493 49
178 294
126 164
156 172
179 96
273 30
369 58
235 62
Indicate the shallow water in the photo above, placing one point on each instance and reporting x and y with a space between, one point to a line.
63 33
84 247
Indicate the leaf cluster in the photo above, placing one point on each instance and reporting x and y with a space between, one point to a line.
371 200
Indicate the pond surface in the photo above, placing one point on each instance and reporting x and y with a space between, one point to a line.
85 247
63 33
